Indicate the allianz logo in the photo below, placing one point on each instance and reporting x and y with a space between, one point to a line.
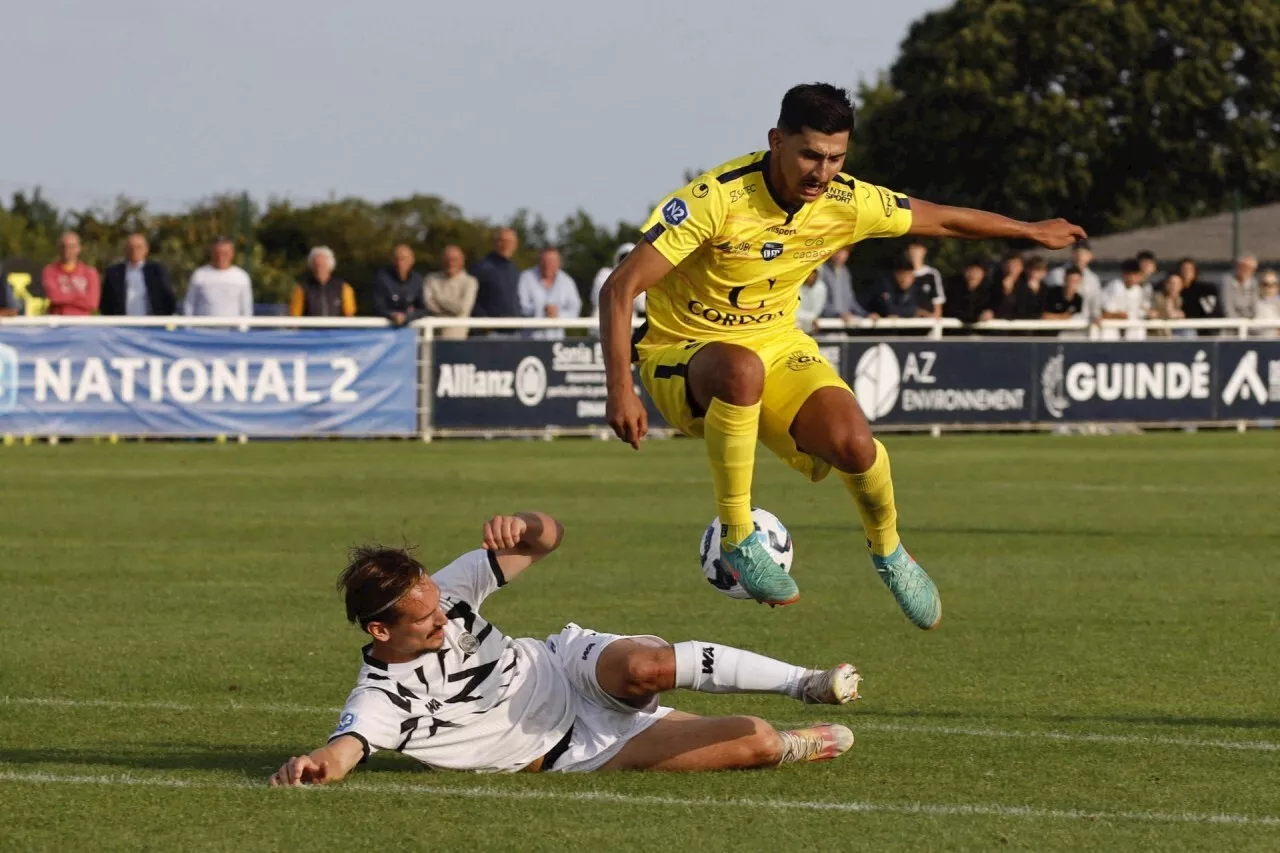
527 383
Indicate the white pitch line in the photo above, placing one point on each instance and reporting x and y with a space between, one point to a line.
855 722
936 809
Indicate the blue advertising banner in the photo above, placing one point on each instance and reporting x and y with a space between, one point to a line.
99 380
939 382
518 383
1127 381
1249 379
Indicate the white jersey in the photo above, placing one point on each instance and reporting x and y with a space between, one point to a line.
483 702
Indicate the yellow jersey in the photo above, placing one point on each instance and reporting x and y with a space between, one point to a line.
741 253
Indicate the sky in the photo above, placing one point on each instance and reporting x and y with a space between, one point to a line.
495 106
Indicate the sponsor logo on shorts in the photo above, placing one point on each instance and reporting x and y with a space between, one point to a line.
801 360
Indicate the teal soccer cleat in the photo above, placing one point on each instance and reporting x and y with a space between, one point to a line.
911 586
757 573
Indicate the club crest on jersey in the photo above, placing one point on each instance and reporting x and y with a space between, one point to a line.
769 251
675 212
468 643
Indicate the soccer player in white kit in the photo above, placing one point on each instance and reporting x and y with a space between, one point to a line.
442 685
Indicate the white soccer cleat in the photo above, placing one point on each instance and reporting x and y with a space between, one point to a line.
822 742
835 686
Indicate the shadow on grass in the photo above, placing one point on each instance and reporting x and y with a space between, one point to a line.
253 761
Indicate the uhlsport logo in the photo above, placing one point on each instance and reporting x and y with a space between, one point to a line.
877 379
1246 382
8 378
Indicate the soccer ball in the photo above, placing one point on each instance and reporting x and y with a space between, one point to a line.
777 540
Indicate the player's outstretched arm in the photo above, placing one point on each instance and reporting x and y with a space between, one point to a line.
638 272
520 540
940 220
329 763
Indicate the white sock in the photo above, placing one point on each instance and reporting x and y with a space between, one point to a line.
712 668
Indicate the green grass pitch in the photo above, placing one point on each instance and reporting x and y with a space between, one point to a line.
1105 676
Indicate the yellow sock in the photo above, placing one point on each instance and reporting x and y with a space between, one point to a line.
872 491
730 433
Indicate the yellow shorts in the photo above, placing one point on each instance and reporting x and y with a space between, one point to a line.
794 369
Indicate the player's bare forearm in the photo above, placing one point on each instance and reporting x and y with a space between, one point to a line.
616 298
329 763
940 220
518 541
542 533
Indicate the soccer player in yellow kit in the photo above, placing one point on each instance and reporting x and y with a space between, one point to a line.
722 261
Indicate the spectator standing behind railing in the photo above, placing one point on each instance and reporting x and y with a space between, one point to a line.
1034 293
1200 299
903 298
1149 267
841 300
137 286
397 289
71 286
499 279
928 279
1267 305
602 275
1065 302
8 300
1090 284
320 293
1123 299
969 300
1007 293
1240 289
219 288
813 299
548 291
1166 304
452 291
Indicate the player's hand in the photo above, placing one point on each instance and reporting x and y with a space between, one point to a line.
300 770
1056 233
627 415
504 531
553 311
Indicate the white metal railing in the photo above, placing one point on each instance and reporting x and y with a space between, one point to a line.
428 324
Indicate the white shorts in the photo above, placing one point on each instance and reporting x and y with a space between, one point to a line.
603 724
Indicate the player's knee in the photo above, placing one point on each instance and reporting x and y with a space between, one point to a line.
761 747
738 378
853 451
650 671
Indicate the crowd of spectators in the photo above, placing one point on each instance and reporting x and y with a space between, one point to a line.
1017 287
1024 287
